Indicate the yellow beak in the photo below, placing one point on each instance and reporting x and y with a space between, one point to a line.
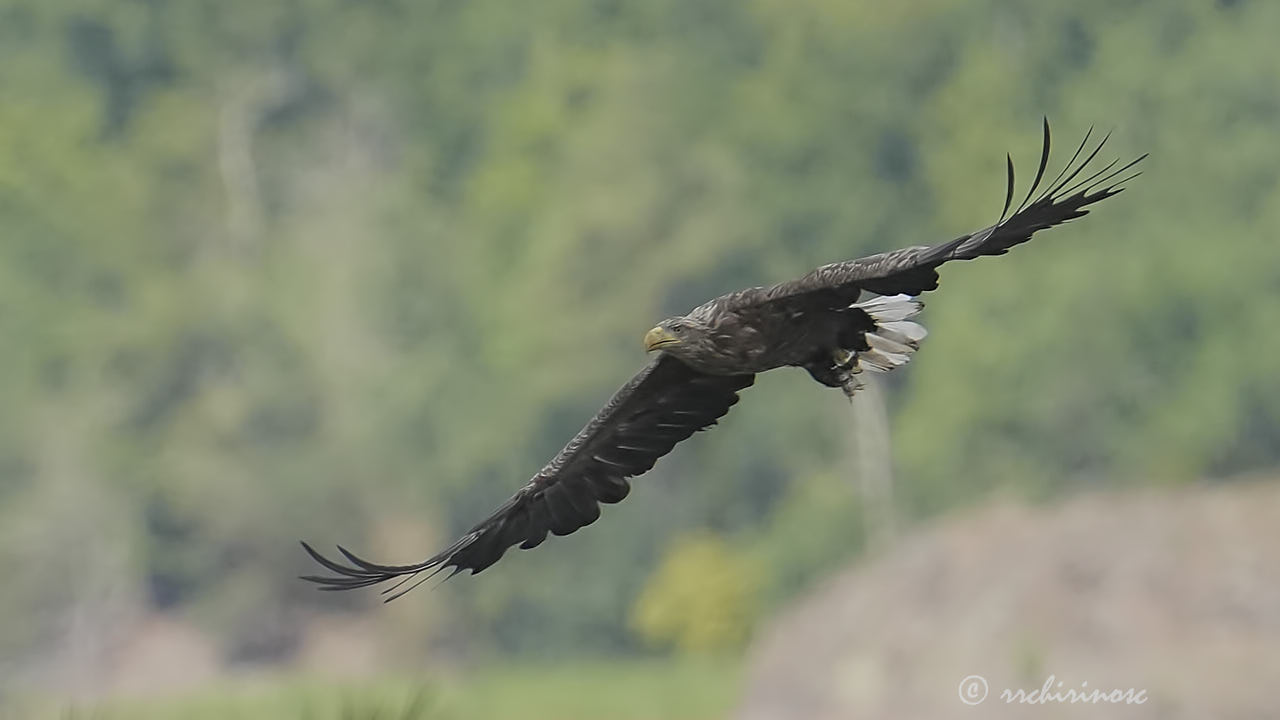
657 338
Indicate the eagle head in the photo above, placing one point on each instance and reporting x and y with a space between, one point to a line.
677 335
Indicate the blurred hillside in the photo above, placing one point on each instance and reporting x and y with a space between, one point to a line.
1173 593
351 271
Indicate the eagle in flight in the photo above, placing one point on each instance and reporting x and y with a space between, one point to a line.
703 359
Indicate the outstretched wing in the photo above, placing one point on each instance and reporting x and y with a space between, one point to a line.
665 403
914 270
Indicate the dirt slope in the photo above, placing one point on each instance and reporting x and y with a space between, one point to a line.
1175 593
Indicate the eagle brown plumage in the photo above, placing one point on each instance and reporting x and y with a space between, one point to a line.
705 358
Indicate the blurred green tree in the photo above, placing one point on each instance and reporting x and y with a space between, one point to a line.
701 598
312 269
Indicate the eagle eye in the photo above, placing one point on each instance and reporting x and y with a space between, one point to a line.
677 327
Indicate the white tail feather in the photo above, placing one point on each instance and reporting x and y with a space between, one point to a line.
888 345
894 338
877 361
891 308
905 332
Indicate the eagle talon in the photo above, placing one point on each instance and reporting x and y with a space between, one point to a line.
850 383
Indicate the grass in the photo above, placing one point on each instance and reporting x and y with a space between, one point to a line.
612 690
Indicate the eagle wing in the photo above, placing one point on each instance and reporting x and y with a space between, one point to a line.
914 270
662 405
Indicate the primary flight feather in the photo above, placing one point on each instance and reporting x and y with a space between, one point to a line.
703 359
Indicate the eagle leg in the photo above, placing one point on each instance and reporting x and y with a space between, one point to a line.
839 370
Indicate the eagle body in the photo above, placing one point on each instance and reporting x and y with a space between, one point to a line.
823 322
729 337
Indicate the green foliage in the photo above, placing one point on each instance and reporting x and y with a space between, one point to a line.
625 689
352 271
701 598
